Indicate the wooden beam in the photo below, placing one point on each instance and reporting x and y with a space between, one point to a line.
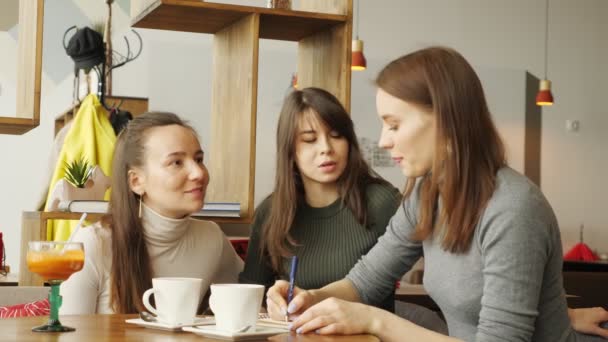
233 114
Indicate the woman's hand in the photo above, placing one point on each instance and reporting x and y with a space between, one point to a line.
588 320
336 316
276 301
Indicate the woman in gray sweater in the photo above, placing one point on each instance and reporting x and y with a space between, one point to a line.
490 239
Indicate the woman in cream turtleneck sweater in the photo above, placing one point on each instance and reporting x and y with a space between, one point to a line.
159 180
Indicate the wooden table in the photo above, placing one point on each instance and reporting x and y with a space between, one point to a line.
113 328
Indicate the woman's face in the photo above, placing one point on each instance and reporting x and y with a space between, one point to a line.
173 178
321 153
408 133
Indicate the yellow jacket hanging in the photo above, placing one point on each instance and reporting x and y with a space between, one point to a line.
91 137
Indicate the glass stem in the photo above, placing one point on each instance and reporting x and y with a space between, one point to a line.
55 301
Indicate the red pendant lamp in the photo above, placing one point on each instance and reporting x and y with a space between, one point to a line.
580 251
544 96
358 59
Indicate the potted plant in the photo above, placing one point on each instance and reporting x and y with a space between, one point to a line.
78 172
82 181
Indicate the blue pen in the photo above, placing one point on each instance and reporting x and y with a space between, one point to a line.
292 281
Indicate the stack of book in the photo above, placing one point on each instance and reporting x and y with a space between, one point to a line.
220 209
211 209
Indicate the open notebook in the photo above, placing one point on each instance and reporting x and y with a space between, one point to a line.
265 321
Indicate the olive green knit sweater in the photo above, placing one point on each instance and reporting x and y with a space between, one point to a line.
330 239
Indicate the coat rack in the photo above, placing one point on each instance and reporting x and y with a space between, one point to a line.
118 60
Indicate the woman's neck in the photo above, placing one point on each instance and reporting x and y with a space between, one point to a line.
318 195
162 231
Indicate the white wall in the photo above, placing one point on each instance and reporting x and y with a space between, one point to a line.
494 35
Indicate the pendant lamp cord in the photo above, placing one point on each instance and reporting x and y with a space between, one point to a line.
357 18
546 35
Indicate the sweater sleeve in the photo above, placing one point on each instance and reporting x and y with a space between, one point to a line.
257 266
376 273
515 243
230 263
81 291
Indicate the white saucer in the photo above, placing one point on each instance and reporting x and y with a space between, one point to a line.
213 332
163 326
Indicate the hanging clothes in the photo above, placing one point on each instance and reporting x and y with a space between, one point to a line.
92 137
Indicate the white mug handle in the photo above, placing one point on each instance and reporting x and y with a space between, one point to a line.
146 300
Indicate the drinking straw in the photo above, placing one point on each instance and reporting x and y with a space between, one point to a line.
84 216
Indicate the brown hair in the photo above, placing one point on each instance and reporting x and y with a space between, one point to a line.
288 191
131 270
468 151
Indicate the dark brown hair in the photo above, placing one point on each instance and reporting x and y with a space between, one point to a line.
468 151
288 191
131 270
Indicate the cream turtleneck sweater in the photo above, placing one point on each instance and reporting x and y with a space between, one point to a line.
177 247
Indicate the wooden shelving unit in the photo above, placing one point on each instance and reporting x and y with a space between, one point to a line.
323 30
29 69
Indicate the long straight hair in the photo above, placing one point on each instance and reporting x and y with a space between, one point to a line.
131 270
468 152
288 192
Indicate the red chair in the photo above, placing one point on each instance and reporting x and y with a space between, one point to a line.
240 246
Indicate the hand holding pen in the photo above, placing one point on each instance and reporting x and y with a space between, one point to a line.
292 281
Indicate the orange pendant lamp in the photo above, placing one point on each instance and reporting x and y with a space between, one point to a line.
544 96
358 61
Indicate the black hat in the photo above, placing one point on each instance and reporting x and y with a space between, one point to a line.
86 48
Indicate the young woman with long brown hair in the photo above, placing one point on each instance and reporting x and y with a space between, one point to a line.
327 207
158 179
493 255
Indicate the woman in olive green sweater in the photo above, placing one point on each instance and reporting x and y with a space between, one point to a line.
327 207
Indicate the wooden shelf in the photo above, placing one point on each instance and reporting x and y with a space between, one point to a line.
241 220
62 215
208 17
94 217
17 126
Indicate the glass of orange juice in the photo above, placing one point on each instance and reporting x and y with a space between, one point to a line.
55 262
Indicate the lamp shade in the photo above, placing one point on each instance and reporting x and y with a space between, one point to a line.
358 59
544 96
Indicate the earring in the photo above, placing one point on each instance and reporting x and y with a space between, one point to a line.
139 213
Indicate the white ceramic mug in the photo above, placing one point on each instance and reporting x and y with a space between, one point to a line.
176 299
236 306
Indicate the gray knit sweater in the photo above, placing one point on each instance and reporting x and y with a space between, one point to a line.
507 287
330 239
